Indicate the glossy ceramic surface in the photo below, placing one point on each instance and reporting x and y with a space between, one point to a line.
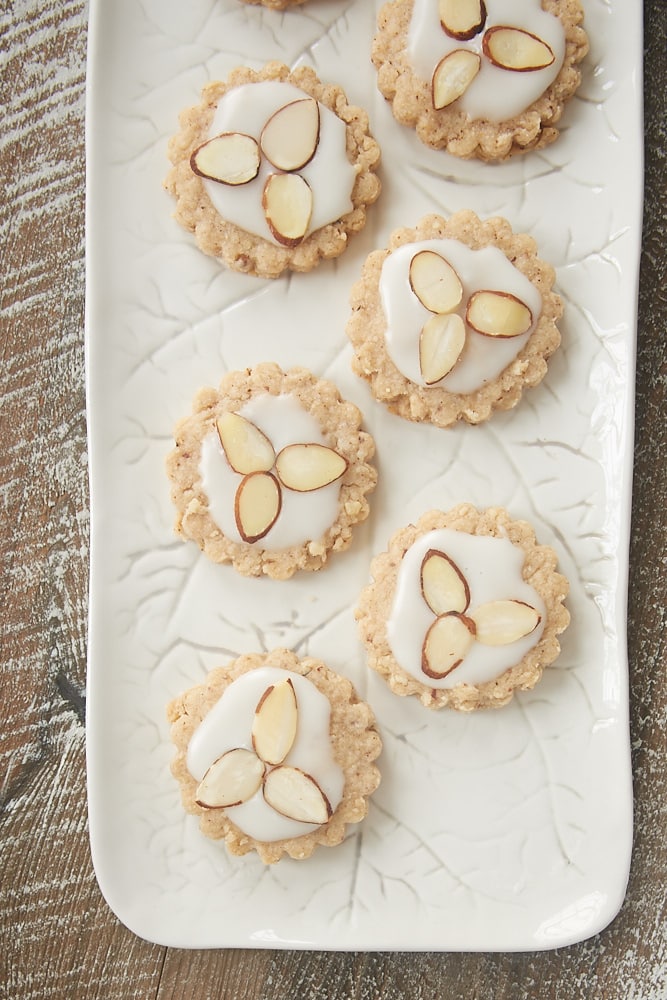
492 831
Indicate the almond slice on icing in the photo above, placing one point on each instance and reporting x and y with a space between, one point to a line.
246 448
230 158
447 641
275 722
516 49
256 505
306 467
295 794
452 77
443 585
498 314
290 137
288 205
435 282
500 622
462 19
230 780
441 342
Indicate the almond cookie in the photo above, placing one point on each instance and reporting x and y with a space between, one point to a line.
454 319
464 608
270 472
274 754
273 170
480 78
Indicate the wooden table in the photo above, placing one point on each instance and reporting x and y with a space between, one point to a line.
58 937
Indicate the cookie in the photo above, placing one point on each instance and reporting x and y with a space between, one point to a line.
271 471
480 78
273 170
464 609
454 319
274 754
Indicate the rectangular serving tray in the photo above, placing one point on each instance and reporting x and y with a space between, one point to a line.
502 830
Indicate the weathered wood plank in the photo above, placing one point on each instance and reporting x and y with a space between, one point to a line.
57 936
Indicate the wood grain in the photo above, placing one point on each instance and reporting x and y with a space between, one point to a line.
57 936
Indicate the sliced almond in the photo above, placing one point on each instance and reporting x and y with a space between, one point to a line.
275 722
498 314
516 49
500 622
295 794
435 282
290 137
288 205
256 505
231 158
246 448
443 585
447 641
452 77
306 467
440 345
230 780
462 19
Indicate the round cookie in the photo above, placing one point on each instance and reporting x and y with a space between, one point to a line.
454 319
274 754
270 472
273 170
480 78
464 609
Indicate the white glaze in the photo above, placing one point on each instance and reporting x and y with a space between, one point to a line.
330 174
303 516
483 358
495 94
229 725
492 569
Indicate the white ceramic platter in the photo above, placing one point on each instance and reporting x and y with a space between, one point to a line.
493 831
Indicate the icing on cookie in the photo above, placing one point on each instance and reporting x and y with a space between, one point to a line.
494 93
328 174
229 726
483 357
491 569
303 515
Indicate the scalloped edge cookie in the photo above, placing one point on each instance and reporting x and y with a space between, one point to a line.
241 250
355 741
450 128
341 425
539 570
435 404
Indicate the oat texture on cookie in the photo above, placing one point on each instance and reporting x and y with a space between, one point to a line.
273 170
454 319
463 609
271 471
274 754
480 78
